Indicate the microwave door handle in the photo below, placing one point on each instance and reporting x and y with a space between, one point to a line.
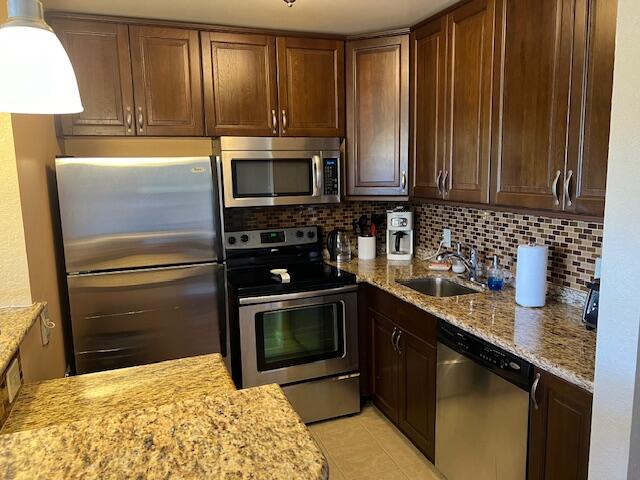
317 180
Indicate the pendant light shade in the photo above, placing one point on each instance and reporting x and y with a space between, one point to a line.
37 76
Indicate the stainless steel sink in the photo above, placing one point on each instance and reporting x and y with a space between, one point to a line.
437 287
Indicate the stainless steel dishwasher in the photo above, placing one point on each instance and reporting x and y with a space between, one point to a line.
482 409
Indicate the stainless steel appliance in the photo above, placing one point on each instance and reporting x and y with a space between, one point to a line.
297 326
144 259
264 171
591 306
482 409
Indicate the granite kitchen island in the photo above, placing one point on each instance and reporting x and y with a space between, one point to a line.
176 419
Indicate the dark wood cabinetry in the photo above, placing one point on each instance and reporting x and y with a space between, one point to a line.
428 64
586 175
452 92
403 366
99 53
240 84
378 116
532 79
311 87
559 431
167 81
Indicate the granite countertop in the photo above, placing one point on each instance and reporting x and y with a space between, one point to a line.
65 400
551 338
175 419
15 322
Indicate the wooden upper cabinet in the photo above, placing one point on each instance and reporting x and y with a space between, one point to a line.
240 84
428 65
532 70
311 87
560 429
586 176
99 53
468 102
167 81
378 116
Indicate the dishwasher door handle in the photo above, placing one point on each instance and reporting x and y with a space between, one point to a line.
534 391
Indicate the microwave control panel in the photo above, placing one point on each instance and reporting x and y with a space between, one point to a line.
330 183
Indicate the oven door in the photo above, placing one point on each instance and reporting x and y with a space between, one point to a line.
266 178
300 336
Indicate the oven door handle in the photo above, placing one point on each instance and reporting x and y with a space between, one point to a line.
296 296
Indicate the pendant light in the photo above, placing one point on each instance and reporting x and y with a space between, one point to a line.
37 76
289 2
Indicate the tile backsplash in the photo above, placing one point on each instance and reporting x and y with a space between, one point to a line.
573 244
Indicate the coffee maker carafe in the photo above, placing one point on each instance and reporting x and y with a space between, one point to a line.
399 235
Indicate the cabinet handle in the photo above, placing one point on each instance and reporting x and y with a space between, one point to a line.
140 119
438 178
403 182
567 189
534 391
274 121
129 119
398 349
444 183
554 188
284 121
393 335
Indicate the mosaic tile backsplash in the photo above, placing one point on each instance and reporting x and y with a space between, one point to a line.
574 245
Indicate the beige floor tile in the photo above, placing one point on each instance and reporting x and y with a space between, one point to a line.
368 446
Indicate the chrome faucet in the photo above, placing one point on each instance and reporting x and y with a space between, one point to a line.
471 263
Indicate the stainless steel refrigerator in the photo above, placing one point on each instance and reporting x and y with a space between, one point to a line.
144 259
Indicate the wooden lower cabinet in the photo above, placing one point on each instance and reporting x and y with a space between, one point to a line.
403 366
417 405
559 431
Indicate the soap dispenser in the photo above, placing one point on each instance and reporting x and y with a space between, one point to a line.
495 278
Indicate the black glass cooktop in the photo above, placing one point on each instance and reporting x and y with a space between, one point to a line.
304 277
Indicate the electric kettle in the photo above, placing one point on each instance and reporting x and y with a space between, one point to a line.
339 245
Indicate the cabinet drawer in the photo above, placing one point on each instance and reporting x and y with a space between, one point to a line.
409 318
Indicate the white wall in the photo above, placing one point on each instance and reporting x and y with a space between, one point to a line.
615 437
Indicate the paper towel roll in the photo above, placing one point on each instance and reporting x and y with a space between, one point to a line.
531 275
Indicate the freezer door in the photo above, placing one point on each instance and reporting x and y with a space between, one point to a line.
144 316
121 213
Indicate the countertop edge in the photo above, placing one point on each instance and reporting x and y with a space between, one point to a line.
542 363
23 318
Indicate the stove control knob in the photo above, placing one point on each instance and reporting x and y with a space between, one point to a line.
299 234
244 238
311 234
231 240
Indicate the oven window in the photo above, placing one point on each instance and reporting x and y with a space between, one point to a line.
299 335
272 177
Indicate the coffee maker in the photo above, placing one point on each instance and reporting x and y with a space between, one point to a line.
399 234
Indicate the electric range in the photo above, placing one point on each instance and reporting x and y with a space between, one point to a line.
293 320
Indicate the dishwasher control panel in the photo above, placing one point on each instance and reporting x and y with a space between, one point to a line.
505 364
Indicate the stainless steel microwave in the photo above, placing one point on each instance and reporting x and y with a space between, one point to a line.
266 171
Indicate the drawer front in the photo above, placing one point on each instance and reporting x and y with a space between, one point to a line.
409 318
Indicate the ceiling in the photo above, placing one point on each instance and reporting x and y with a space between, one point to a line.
322 16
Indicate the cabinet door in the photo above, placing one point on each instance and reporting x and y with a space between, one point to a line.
532 67
468 103
240 85
586 176
560 431
428 83
418 392
167 81
99 53
384 374
311 87
378 116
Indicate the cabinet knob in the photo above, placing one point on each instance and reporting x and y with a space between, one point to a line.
284 122
274 121
129 119
140 119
